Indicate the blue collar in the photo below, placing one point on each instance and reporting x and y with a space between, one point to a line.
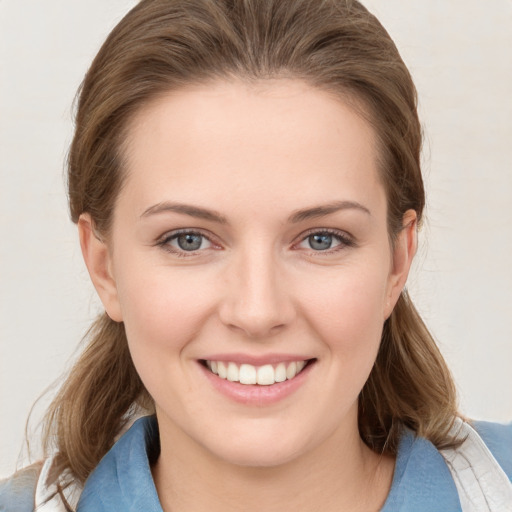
122 481
422 481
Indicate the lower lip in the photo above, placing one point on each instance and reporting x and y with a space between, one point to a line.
256 394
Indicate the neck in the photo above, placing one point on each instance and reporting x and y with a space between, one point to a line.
340 475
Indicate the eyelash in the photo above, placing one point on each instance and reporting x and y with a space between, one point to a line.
164 242
345 241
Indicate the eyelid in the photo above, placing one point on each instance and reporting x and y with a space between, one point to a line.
163 241
346 240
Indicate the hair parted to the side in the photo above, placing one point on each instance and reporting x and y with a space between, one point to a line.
162 45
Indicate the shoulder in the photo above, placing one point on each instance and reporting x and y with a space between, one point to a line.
17 492
27 491
498 438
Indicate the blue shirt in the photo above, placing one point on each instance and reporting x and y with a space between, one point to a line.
122 481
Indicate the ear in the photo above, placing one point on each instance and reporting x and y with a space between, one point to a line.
404 250
99 264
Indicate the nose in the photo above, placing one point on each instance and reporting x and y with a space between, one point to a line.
256 301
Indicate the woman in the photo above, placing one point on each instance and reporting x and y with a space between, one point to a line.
246 183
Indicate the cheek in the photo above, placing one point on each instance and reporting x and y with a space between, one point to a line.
162 308
346 307
163 312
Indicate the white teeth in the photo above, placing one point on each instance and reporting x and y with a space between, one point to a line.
223 371
291 370
265 375
232 372
280 374
247 374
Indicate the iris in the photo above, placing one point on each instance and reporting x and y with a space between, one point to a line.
320 241
190 241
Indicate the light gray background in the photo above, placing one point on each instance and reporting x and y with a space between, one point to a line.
460 54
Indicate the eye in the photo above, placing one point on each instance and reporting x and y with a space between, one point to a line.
326 241
321 241
190 241
185 241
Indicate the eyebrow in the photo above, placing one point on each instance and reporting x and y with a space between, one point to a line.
213 216
327 209
185 209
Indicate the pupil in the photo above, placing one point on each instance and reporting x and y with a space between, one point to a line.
189 242
320 242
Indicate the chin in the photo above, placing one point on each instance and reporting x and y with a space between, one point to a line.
267 457
258 451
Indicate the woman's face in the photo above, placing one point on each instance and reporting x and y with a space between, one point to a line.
250 240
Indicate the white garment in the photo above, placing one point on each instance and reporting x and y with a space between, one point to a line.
43 492
481 483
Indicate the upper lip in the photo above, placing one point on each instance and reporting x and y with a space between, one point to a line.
259 360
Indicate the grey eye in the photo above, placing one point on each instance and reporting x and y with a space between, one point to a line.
189 241
320 241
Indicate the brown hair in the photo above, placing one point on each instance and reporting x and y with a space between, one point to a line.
160 45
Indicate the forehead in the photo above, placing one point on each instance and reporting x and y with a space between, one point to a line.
227 139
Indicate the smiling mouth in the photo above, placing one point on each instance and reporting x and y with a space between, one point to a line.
248 374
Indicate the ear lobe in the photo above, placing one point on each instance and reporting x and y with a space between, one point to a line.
98 261
404 251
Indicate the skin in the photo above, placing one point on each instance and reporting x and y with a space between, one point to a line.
255 155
